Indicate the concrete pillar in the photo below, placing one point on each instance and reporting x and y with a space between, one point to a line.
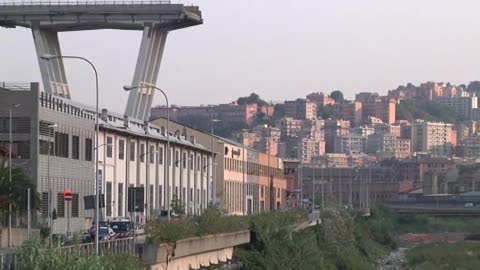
146 72
53 71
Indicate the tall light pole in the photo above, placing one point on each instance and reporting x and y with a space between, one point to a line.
214 184
52 128
167 151
49 57
12 106
313 187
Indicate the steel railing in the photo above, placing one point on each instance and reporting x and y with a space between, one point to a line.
89 3
122 246
15 86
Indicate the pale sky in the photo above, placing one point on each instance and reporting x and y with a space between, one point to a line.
280 49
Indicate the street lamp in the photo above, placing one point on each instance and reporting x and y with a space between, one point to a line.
51 133
12 106
49 57
214 184
167 151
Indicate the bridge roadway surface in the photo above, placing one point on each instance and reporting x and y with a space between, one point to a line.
433 209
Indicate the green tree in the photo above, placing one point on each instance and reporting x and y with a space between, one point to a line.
337 95
12 192
252 99
177 205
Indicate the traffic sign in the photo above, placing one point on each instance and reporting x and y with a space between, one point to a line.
67 195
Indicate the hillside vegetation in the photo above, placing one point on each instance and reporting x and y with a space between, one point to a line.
344 240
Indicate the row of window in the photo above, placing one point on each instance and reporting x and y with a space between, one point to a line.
252 168
152 152
60 147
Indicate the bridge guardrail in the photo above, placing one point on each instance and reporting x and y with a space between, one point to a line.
123 246
87 3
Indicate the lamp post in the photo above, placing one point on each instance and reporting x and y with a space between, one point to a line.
12 106
167 151
49 57
51 129
214 184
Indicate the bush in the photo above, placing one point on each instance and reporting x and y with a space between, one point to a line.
212 221
459 255
34 254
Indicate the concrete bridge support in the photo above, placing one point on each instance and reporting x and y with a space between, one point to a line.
52 72
146 72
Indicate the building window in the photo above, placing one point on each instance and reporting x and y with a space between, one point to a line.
88 149
120 199
60 205
75 205
132 151
160 155
198 163
151 206
109 147
184 160
44 204
177 157
142 152
121 149
45 147
61 144
191 162
205 164
109 199
75 147
152 154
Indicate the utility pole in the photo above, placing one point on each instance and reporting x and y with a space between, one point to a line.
313 187
323 193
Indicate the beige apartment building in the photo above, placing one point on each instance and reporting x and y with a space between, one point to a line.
301 109
432 137
386 146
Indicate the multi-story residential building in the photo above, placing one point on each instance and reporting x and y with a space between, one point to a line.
321 99
233 112
432 137
301 109
386 110
369 104
263 138
364 131
385 146
308 149
334 128
349 144
351 111
384 128
470 147
54 143
428 90
383 108
462 106
290 128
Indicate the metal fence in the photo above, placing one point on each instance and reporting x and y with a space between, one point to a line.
120 246
8 260
78 3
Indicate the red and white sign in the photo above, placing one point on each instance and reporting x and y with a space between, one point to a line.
67 195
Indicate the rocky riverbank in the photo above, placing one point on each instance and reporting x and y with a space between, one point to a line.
393 261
